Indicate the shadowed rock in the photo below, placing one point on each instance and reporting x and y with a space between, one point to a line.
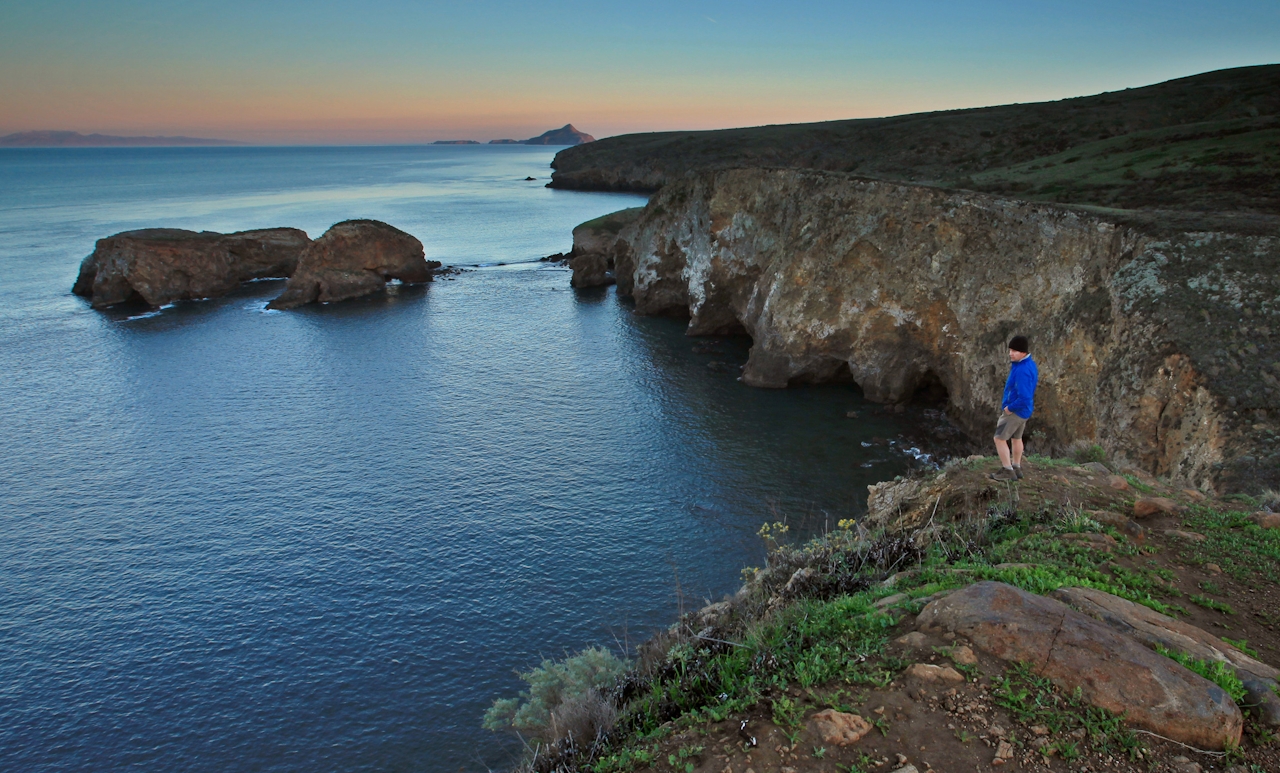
355 258
162 265
593 243
1077 652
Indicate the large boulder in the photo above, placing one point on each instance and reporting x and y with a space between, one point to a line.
1075 651
1154 629
162 265
355 258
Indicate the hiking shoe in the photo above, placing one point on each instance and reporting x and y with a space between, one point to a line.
1004 473
1017 470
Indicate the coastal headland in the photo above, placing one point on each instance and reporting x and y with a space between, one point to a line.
1155 328
1115 609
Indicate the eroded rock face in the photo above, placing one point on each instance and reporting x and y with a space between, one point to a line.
1075 651
907 287
591 258
162 265
355 258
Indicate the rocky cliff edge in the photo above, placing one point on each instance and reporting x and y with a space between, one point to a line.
1159 347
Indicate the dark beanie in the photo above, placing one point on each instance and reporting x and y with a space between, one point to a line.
1019 344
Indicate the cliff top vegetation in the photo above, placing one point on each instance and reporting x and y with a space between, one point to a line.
1206 143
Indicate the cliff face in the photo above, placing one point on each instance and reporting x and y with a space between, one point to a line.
1161 349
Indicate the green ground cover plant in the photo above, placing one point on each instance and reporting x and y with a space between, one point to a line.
1216 671
1246 552
1033 700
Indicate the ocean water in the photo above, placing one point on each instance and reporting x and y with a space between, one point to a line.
326 539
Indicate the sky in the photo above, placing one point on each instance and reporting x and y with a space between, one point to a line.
394 71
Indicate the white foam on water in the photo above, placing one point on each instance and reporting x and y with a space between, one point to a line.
148 314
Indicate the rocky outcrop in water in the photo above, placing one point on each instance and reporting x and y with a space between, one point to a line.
355 258
593 244
162 265
1160 346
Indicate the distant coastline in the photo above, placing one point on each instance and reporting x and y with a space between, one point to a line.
567 135
61 139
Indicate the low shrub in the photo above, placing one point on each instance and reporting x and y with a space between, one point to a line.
1088 452
564 699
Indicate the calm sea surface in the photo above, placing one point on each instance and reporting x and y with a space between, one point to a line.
325 539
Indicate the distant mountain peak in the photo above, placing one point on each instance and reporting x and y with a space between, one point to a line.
565 135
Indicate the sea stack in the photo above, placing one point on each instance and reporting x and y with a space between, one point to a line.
355 258
162 265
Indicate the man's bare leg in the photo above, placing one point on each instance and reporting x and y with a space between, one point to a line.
1002 450
1016 443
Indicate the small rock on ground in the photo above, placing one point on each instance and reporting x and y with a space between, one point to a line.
1266 520
840 728
1146 507
964 656
915 640
930 673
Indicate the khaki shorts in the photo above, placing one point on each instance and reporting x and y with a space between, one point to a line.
1010 426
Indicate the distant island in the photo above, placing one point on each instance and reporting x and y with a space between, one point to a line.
565 135
53 139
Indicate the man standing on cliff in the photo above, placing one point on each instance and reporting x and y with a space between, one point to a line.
1016 407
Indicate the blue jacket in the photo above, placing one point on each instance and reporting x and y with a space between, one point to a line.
1020 389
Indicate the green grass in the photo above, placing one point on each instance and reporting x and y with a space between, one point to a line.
1208 603
1148 147
1216 671
1245 551
612 222
1243 646
1089 453
1138 485
1033 700
1130 166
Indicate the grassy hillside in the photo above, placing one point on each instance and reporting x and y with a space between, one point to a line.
1209 142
